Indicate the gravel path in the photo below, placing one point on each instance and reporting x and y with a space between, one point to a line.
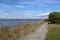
39 34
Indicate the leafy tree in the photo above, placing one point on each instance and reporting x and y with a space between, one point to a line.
54 17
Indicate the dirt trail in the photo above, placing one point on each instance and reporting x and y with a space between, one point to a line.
39 34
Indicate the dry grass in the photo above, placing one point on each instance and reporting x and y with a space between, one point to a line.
19 31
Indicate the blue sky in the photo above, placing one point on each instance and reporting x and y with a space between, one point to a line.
27 9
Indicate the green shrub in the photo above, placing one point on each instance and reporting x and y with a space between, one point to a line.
54 17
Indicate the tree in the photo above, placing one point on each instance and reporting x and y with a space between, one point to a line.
54 17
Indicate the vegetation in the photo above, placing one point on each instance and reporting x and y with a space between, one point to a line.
46 20
54 17
54 32
19 31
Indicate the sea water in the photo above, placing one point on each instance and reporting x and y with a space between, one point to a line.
14 22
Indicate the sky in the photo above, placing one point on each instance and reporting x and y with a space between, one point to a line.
28 9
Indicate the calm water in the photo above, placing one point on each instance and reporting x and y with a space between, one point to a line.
14 22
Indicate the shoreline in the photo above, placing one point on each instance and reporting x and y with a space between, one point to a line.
19 30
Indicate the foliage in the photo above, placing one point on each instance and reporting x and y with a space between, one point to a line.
54 17
46 20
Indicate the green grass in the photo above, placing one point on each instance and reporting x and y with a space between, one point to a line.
54 32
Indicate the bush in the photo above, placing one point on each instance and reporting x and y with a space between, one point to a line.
54 17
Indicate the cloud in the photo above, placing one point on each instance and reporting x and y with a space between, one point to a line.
19 6
3 5
40 2
26 2
38 16
4 15
7 6
43 14
26 16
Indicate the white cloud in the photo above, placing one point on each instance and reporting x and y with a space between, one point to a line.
26 2
7 6
43 14
4 15
19 6
25 16
38 16
3 5
40 2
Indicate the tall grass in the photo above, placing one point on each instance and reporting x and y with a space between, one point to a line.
18 31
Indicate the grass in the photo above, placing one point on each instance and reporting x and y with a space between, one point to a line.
54 32
19 31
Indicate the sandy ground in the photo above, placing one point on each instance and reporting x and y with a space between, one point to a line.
39 34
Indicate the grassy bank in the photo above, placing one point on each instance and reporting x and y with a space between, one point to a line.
19 31
54 32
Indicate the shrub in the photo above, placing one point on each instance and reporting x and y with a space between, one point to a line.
54 17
